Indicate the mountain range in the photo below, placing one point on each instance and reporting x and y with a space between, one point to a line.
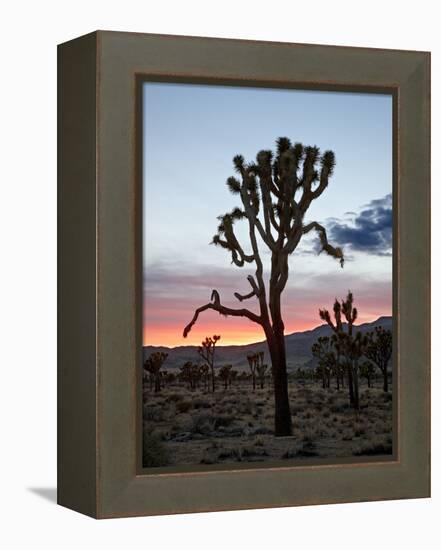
298 348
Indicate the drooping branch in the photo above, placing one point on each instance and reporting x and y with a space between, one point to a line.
335 252
223 310
226 237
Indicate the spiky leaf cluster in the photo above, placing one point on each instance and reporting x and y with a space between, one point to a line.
268 191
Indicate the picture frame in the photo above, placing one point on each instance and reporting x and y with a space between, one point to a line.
100 277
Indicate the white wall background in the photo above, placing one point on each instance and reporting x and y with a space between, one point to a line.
29 33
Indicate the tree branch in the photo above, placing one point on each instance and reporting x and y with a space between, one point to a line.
254 292
223 310
252 216
336 252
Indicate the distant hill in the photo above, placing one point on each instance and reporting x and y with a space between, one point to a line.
298 348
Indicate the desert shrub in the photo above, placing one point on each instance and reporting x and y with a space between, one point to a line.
251 452
246 408
205 423
183 406
380 427
289 453
306 452
235 453
200 403
207 459
175 397
375 447
339 407
303 452
262 430
309 435
202 424
223 420
331 399
154 452
296 409
359 429
154 414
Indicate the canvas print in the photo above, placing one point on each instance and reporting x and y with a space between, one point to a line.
267 276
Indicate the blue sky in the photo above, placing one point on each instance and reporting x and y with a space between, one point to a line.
191 133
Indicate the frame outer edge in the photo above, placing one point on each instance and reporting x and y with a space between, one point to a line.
120 491
77 381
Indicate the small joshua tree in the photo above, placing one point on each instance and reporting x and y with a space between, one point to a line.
275 193
350 346
258 368
205 373
190 372
324 351
225 375
379 351
207 350
251 358
153 365
367 371
261 368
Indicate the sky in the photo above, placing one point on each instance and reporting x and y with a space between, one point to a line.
190 135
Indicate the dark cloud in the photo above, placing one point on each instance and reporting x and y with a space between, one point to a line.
370 230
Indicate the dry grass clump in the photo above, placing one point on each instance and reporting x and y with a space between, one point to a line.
154 451
154 414
183 406
377 446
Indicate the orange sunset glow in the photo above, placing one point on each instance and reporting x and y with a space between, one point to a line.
235 331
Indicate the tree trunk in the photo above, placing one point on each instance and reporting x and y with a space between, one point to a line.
283 424
385 380
157 383
212 379
356 392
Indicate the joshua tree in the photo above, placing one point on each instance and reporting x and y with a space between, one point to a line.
205 373
348 345
207 350
323 350
261 369
367 370
153 365
379 351
251 358
225 375
191 373
275 194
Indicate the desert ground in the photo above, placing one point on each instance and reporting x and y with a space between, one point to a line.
183 427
